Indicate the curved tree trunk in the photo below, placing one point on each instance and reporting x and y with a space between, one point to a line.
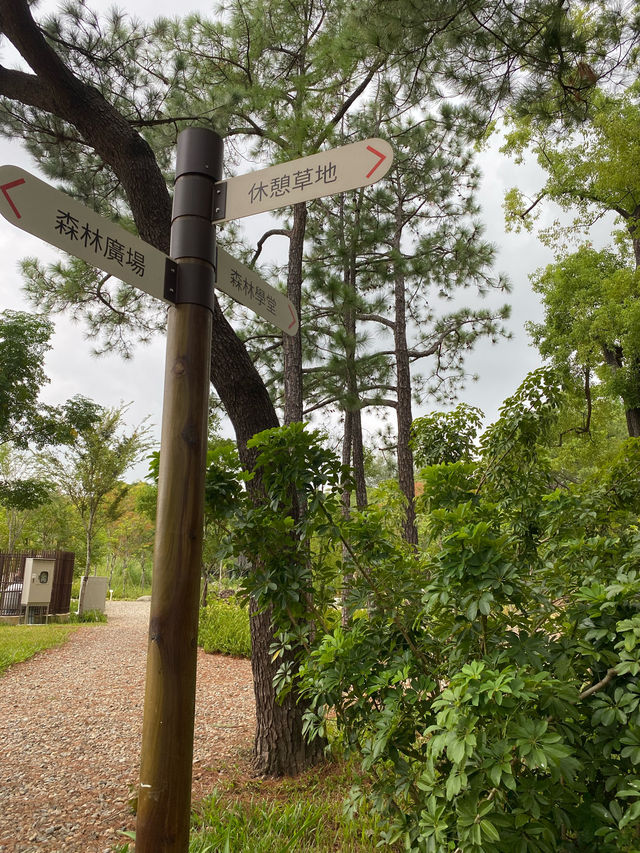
54 88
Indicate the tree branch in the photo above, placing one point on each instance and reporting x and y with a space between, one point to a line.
377 318
346 105
611 674
25 88
526 212
282 232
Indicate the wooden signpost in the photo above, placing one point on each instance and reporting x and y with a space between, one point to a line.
186 280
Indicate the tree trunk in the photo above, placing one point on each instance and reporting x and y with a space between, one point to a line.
280 748
89 538
293 406
352 402
614 358
347 577
362 498
633 422
404 410
87 567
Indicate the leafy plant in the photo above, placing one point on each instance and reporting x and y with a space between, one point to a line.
491 686
224 628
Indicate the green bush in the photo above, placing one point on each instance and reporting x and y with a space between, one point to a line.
492 693
88 616
224 628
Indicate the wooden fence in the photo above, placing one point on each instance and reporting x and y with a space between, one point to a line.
12 577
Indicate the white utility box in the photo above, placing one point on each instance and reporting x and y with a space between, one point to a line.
95 594
38 581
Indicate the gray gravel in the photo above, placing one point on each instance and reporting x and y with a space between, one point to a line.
70 732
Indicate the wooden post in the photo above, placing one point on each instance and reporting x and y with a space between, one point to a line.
164 796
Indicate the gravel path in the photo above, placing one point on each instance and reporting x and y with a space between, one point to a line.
70 732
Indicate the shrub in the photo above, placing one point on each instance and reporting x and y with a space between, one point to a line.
224 628
492 692
88 616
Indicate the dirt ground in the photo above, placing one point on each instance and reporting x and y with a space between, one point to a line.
71 727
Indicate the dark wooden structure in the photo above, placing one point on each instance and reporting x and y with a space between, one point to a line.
12 577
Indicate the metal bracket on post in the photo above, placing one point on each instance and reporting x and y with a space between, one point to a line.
219 208
170 280
193 235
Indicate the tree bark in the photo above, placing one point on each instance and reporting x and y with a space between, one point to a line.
293 405
633 422
280 748
614 358
403 383
347 577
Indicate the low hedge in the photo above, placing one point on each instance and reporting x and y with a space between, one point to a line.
224 628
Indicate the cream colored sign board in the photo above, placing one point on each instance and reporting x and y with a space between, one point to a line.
329 172
48 213
244 285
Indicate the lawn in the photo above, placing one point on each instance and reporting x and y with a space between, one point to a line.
301 815
20 642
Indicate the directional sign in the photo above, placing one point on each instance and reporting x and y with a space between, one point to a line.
46 212
244 285
326 173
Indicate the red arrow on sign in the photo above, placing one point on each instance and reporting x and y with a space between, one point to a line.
5 191
382 157
295 319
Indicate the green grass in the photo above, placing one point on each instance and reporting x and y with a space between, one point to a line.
302 824
224 628
88 617
20 642
301 815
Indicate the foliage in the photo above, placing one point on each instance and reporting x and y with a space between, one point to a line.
90 466
51 525
24 341
446 436
20 642
589 171
224 628
129 540
491 683
24 421
592 318
295 471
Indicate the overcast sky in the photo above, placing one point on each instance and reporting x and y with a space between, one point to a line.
110 380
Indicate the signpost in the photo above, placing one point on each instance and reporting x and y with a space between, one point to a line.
48 213
186 280
244 285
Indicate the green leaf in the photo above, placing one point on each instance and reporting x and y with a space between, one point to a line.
489 830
